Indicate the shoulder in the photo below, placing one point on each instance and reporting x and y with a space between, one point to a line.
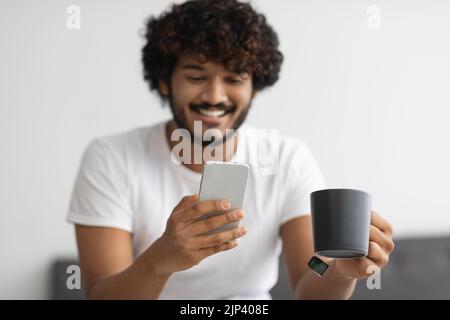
274 142
272 152
124 144
119 153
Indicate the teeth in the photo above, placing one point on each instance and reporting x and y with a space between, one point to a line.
215 113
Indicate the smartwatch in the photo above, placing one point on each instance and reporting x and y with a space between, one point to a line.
318 266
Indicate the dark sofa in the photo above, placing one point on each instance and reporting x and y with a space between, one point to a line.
419 268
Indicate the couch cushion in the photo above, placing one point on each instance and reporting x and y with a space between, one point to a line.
419 268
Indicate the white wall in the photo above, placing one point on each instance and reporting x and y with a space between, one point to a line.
372 104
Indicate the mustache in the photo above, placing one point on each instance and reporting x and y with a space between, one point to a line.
207 106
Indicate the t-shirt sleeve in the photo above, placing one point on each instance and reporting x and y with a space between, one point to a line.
302 176
99 195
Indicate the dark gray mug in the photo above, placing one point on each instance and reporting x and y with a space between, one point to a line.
341 222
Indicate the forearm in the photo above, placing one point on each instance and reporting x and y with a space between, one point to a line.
142 280
332 285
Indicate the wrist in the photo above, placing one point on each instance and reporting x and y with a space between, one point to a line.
155 260
337 269
333 266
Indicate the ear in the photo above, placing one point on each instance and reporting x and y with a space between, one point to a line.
163 88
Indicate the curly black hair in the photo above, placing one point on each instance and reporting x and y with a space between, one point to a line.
226 31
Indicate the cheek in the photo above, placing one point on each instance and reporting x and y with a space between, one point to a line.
182 94
242 98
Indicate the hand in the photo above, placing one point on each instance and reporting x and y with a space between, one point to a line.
183 244
380 247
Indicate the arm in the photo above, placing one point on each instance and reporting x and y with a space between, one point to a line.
340 279
296 235
107 265
108 269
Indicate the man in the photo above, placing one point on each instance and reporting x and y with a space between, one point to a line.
136 209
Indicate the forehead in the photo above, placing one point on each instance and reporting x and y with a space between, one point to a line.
195 62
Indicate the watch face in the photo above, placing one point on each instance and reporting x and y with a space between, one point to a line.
317 265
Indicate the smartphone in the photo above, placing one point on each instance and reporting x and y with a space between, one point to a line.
223 180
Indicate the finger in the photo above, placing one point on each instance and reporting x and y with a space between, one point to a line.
381 223
207 241
186 201
222 247
384 240
376 254
211 223
366 267
199 208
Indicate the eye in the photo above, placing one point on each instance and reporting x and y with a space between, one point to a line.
196 79
234 81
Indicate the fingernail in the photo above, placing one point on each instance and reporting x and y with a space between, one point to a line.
243 231
226 204
239 215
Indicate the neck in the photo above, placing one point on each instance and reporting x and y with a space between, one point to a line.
224 152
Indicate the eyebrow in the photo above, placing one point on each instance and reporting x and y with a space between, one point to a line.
191 66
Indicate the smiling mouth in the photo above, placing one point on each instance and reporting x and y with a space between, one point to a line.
212 113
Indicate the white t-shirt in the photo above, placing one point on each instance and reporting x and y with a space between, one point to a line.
128 181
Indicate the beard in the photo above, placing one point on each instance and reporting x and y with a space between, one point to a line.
180 118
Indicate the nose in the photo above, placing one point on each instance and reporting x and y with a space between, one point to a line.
214 93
